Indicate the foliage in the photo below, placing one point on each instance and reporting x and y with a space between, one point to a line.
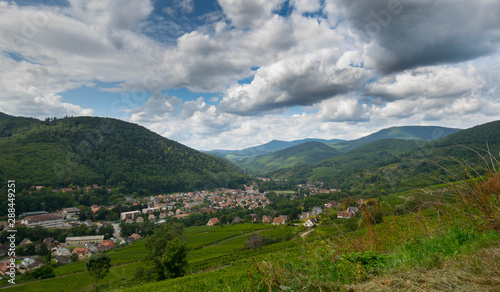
305 153
41 273
87 150
168 251
98 266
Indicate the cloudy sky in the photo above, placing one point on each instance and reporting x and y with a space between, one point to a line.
229 74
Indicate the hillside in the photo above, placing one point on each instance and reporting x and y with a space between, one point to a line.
425 133
274 145
88 150
396 165
4 116
306 153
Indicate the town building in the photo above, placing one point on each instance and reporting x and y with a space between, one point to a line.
47 221
82 240
130 215
213 221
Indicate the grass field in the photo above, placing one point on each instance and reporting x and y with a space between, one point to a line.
210 247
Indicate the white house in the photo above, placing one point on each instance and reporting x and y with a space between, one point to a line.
310 222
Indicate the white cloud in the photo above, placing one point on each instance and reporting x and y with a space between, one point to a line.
300 80
316 66
303 6
429 82
249 13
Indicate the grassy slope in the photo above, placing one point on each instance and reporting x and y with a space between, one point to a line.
433 245
211 247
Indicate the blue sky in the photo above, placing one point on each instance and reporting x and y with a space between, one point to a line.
230 74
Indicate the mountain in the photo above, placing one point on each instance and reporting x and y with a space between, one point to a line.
398 165
274 145
103 151
305 153
425 133
4 116
383 152
276 160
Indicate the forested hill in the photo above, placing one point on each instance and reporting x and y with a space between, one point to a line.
425 133
90 150
272 146
302 154
393 165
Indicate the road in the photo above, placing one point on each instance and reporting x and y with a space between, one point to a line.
116 235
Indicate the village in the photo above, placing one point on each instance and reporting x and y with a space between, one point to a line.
152 209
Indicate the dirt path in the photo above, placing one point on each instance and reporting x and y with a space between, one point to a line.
305 233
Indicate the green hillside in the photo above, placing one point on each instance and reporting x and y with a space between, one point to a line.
302 154
396 165
88 150
269 147
426 133
3 116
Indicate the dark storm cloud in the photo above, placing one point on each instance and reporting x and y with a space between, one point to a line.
406 34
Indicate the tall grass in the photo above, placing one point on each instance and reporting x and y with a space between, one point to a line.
448 223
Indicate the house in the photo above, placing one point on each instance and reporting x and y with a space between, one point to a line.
310 222
353 209
37 264
102 248
345 215
25 241
92 248
151 217
255 218
108 242
70 212
285 218
266 219
237 220
317 210
49 242
62 259
305 215
4 268
213 221
279 221
82 252
139 219
135 236
31 264
62 251
361 202
331 204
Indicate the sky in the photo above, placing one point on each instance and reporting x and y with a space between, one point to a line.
231 74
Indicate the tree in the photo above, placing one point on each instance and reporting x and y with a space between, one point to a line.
98 266
254 242
168 251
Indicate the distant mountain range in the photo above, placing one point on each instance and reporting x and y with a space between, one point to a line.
89 150
264 158
394 164
268 147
